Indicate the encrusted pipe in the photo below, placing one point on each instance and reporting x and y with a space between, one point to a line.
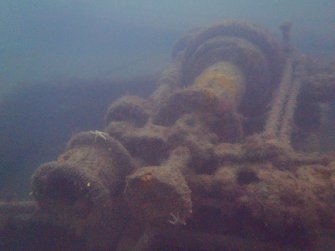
272 125
17 208
288 116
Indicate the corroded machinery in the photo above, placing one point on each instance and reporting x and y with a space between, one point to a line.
207 162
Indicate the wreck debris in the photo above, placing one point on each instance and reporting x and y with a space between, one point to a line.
205 163
194 160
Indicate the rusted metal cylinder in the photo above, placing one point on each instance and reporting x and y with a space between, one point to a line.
225 81
82 190
230 69
92 169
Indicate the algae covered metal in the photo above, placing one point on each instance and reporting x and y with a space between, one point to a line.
210 161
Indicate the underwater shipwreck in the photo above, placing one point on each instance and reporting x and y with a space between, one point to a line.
229 152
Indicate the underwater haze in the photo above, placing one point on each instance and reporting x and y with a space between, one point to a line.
167 125
43 40
44 44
